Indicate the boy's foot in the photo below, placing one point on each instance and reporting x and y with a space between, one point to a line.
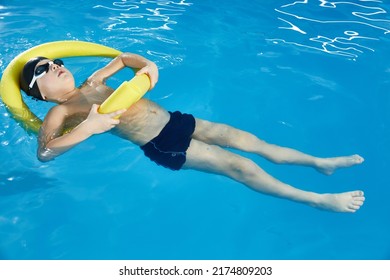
328 166
348 202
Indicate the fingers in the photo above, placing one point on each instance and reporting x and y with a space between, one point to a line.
99 123
95 107
142 71
114 122
152 84
152 72
112 119
116 113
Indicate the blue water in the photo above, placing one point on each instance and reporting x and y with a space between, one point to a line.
312 75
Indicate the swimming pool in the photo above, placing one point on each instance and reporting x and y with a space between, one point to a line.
313 75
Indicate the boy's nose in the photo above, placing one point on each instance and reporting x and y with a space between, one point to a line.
54 67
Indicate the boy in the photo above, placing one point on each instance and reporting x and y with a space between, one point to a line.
173 140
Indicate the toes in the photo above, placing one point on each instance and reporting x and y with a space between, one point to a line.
357 194
357 203
354 207
359 198
358 158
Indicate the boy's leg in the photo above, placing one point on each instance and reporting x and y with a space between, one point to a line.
213 159
227 136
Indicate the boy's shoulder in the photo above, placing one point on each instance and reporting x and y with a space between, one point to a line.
59 110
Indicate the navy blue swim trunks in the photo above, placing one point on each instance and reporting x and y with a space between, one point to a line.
169 148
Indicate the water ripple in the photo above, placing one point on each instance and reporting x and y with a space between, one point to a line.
158 18
352 26
143 23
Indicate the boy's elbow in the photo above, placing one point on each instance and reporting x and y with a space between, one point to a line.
45 155
44 159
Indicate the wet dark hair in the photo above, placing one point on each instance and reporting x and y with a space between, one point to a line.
27 75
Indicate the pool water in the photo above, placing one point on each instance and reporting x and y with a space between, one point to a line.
312 75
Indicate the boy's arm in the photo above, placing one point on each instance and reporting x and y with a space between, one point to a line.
51 141
130 60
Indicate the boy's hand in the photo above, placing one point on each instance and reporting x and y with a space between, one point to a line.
97 123
152 71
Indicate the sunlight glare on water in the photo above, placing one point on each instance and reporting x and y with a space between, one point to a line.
347 28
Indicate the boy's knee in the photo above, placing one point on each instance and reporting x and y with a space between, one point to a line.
243 168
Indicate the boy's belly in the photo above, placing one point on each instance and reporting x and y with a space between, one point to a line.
142 122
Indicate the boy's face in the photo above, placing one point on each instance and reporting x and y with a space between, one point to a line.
56 82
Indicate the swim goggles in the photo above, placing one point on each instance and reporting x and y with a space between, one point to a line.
41 70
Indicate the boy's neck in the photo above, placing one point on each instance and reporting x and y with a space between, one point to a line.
67 96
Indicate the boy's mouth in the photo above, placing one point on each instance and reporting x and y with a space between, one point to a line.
60 73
